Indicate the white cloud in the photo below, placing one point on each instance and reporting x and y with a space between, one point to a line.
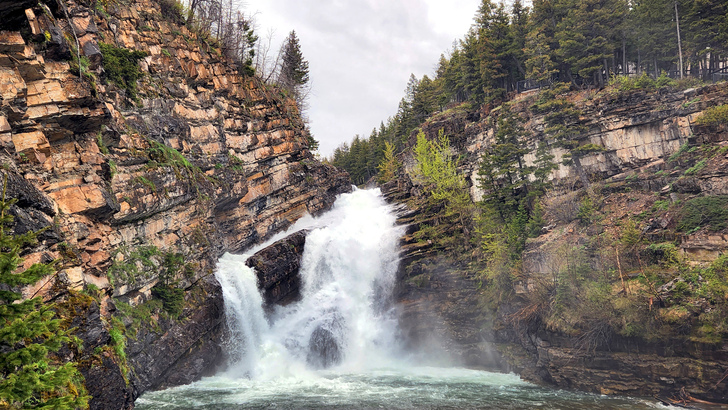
361 54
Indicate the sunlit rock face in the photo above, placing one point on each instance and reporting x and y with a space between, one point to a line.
205 161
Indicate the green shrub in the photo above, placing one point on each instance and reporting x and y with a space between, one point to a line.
173 298
666 254
683 149
708 211
32 372
697 167
122 67
622 82
664 81
714 116
118 340
660 205
173 11
644 82
586 211
100 142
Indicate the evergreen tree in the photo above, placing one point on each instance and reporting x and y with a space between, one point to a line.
587 36
293 75
517 39
542 63
653 23
503 173
705 28
30 377
389 165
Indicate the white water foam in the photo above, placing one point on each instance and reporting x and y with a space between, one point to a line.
344 317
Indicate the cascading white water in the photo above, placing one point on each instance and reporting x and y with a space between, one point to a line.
344 320
348 270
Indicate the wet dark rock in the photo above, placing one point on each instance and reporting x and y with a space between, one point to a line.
181 351
104 377
277 268
323 349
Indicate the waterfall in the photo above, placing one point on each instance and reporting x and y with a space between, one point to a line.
337 347
345 316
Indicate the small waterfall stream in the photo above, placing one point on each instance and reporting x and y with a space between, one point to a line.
337 348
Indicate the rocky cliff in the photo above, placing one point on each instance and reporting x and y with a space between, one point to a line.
142 183
653 161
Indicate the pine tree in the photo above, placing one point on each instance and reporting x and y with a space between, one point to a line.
704 24
542 63
517 38
588 35
503 173
293 75
29 375
653 23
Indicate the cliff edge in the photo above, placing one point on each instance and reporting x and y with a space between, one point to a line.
144 155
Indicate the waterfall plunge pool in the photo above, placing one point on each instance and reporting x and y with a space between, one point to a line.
337 348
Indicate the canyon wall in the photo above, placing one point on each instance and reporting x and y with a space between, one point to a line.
644 164
140 191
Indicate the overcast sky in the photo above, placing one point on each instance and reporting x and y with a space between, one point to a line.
361 54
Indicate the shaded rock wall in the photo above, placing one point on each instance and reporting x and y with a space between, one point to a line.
440 295
205 161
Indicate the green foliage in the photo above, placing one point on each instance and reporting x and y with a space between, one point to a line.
113 168
30 374
664 81
172 298
100 142
508 182
172 10
132 265
660 205
389 165
118 339
436 169
707 211
643 82
717 115
146 182
587 210
683 149
122 67
294 68
696 168
165 156
142 315
629 235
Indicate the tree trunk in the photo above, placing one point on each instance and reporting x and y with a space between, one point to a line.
625 70
679 42
639 62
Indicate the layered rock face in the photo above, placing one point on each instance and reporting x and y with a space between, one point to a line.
138 193
440 292
638 130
